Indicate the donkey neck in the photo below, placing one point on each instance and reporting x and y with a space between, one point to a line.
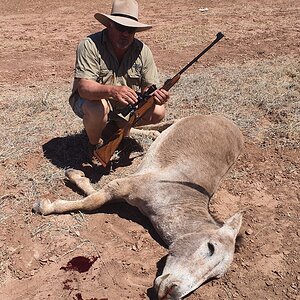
186 212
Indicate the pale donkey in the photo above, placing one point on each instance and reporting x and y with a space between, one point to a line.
172 187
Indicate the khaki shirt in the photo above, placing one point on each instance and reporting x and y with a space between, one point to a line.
96 61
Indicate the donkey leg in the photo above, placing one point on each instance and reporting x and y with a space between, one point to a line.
136 133
151 130
157 127
116 189
78 178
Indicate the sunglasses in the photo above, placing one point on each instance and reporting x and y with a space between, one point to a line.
122 28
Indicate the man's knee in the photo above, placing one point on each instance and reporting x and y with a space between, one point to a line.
95 109
153 116
158 114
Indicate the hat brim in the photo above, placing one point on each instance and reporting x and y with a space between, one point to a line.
105 19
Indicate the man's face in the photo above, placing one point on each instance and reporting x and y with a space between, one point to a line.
120 36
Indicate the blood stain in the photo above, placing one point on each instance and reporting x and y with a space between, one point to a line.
80 263
78 296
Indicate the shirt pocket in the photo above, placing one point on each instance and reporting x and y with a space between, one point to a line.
134 79
105 75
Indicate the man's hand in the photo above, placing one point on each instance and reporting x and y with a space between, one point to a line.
161 96
91 90
124 94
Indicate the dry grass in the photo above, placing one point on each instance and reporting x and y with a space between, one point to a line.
261 97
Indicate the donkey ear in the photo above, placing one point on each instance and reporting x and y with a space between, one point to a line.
232 225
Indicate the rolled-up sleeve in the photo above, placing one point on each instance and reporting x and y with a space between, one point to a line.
87 60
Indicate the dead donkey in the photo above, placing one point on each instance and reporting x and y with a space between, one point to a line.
172 187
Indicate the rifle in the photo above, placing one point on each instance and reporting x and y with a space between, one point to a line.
145 102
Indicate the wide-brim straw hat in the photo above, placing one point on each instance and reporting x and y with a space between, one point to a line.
123 12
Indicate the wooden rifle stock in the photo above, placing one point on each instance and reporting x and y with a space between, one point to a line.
105 152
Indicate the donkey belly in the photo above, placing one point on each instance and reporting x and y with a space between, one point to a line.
198 149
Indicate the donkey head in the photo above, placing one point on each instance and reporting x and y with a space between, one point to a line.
196 257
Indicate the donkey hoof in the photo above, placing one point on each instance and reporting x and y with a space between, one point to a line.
73 174
42 207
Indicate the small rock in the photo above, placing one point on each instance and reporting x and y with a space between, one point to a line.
249 231
269 282
52 259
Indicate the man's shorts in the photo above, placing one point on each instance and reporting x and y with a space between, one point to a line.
77 106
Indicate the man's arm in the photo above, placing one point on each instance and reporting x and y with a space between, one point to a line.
92 90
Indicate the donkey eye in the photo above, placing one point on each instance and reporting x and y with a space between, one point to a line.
211 248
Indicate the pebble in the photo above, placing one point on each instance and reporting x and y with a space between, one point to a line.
249 231
269 282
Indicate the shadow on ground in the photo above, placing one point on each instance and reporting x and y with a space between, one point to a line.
71 151
68 151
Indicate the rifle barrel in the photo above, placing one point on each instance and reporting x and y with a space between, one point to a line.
219 36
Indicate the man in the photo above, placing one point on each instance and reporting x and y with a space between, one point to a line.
111 67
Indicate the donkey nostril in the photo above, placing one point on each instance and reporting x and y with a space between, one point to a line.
211 248
168 292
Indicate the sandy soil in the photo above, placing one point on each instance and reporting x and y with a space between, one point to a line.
115 254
